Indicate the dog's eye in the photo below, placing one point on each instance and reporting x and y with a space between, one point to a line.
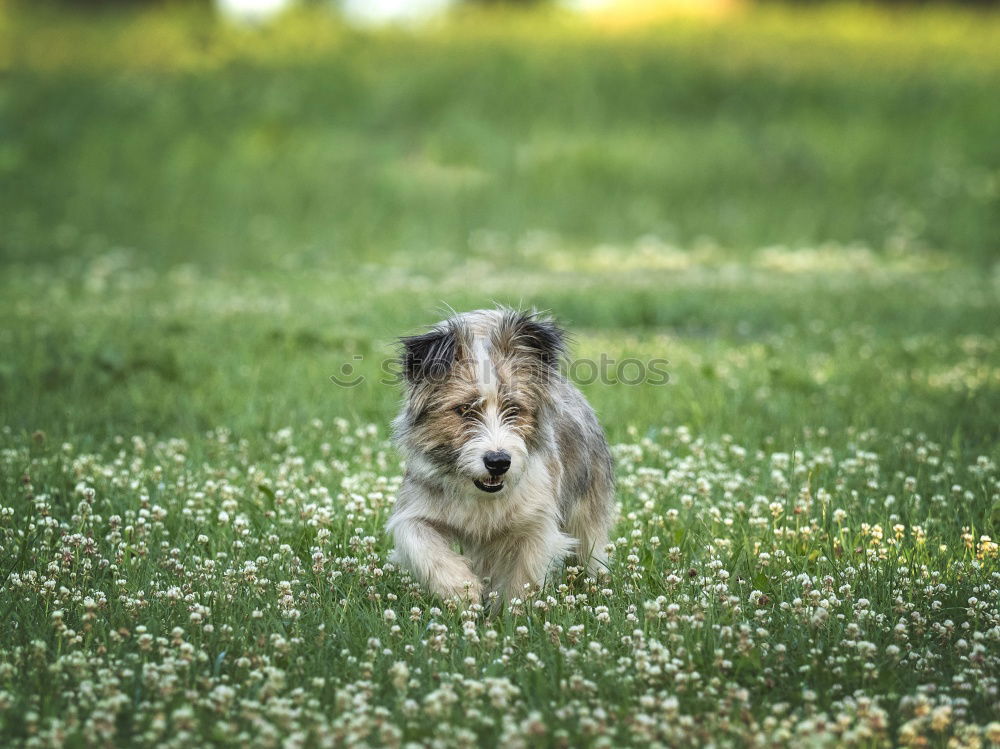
514 411
464 410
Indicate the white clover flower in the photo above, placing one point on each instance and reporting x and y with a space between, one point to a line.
399 673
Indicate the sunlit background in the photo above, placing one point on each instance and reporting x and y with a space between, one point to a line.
210 208
401 11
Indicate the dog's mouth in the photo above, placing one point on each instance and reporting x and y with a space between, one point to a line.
490 485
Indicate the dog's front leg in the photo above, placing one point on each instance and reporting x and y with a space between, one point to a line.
524 558
427 553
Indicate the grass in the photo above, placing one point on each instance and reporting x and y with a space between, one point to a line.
797 209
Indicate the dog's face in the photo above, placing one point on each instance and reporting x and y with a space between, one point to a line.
477 393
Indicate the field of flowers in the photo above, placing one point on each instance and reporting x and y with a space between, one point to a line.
835 595
205 227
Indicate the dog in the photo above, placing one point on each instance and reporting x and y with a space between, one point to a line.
504 457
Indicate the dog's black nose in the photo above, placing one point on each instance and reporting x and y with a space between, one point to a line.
497 462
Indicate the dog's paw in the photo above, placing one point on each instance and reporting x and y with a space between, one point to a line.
466 591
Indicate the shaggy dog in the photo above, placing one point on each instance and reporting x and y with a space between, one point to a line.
504 457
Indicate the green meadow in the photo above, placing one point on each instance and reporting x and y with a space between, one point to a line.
203 226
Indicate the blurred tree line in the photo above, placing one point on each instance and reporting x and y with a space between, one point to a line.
333 3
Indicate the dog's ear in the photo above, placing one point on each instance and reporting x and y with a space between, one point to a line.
428 356
541 338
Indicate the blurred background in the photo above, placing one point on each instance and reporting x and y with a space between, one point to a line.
209 208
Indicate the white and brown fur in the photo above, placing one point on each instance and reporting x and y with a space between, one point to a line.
488 382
